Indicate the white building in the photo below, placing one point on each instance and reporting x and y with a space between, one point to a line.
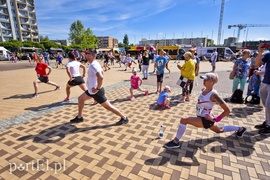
18 20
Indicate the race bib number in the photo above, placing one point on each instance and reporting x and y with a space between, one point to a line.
199 109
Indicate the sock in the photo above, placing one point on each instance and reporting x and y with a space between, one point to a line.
230 128
180 131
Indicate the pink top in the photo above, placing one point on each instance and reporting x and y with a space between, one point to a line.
134 80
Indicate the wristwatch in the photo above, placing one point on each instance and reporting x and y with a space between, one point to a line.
98 88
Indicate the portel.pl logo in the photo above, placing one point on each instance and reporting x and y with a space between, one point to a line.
38 165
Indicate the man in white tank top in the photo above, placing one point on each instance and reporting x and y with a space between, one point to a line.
205 119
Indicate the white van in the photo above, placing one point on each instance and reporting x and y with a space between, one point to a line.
224 53
4 53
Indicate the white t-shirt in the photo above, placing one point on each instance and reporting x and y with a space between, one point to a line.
93 69
123 58
74 68
129 59
214 56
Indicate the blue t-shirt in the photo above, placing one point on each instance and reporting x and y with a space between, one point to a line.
161 97
45 54
242 68
266 59
161 63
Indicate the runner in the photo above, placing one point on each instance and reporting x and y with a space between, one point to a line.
205 119
95 90
43 75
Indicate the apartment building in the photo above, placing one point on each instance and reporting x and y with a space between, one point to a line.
107 42
18 20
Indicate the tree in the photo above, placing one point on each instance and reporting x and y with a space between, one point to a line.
125 40
12 44
81 36
42 38
48 44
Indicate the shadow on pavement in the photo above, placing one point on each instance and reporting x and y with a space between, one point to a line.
59 132
227 144
25 96
49 106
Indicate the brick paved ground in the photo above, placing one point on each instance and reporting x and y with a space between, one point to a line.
39 143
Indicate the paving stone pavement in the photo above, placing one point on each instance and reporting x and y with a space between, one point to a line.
47 146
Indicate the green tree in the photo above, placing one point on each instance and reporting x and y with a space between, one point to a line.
121 44
49 44
42 38
11 45
81 36
33 44
125 40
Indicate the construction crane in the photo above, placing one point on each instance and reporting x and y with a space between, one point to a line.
242 26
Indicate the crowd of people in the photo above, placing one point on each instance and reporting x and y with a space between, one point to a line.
244 68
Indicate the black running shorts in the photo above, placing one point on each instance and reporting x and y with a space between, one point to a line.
76 81
206 123
99 96
43 79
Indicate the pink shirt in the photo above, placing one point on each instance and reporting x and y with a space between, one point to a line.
134 82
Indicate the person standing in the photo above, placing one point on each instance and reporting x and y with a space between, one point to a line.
264 89
46 57
59 60
145 65
204 117
95 90
187 71
214 57
241 69
160 64
197 67
73 72
43 75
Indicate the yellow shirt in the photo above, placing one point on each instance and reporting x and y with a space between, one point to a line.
188 70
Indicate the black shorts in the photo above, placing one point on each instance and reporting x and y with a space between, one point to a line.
160 78
43 79
99 96
206 123
76 81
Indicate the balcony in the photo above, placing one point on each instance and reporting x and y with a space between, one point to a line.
6 32
30 9
25 27
32 15
24 20
3 11
5 25
30 2
3 2
26 34
4 18
23 13
21 1
21 6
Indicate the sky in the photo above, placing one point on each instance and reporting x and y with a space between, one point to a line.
154 19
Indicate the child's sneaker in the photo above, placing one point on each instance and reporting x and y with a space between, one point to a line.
35 96
146 93
132 98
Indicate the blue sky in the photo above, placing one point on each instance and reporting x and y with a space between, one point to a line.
154 19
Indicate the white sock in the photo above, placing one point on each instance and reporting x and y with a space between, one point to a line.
230 128
180 131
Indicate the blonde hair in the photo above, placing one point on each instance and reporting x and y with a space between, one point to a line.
188 54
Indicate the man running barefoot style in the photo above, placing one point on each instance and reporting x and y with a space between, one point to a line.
95 90
207 99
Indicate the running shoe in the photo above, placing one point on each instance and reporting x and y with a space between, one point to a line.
67 100
76 120
35 96
122 121
261 126
265 131
241 133
57 88
172 145
132 98
146 93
